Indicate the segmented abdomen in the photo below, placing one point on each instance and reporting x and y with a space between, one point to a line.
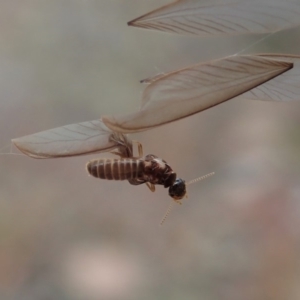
116 169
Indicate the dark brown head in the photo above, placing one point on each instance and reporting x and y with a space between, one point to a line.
178 190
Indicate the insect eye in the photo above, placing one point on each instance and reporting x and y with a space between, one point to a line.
178 190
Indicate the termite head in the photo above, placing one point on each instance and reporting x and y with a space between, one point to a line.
178 190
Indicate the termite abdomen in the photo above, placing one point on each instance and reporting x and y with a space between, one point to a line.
116 169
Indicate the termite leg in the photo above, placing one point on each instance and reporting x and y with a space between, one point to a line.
150 186
140 148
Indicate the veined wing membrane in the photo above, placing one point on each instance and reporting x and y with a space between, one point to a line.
188 91
283 88
70 140
226 17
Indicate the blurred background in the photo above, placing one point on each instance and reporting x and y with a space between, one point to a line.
65 235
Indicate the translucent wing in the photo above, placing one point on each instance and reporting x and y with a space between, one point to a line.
188 91
226 17
71 140
285 87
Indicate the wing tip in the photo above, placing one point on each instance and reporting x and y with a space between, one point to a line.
134 22
17 143
21 146
130 23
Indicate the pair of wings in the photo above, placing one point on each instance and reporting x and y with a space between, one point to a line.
170 97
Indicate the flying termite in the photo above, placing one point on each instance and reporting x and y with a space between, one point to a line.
181 93
167 98
150 170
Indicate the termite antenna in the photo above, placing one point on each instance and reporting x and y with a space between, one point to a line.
178 191
200 178
167 213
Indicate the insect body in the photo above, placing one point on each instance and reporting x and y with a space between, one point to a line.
151 170
117 169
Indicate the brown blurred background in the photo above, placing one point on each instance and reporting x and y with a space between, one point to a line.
65 235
